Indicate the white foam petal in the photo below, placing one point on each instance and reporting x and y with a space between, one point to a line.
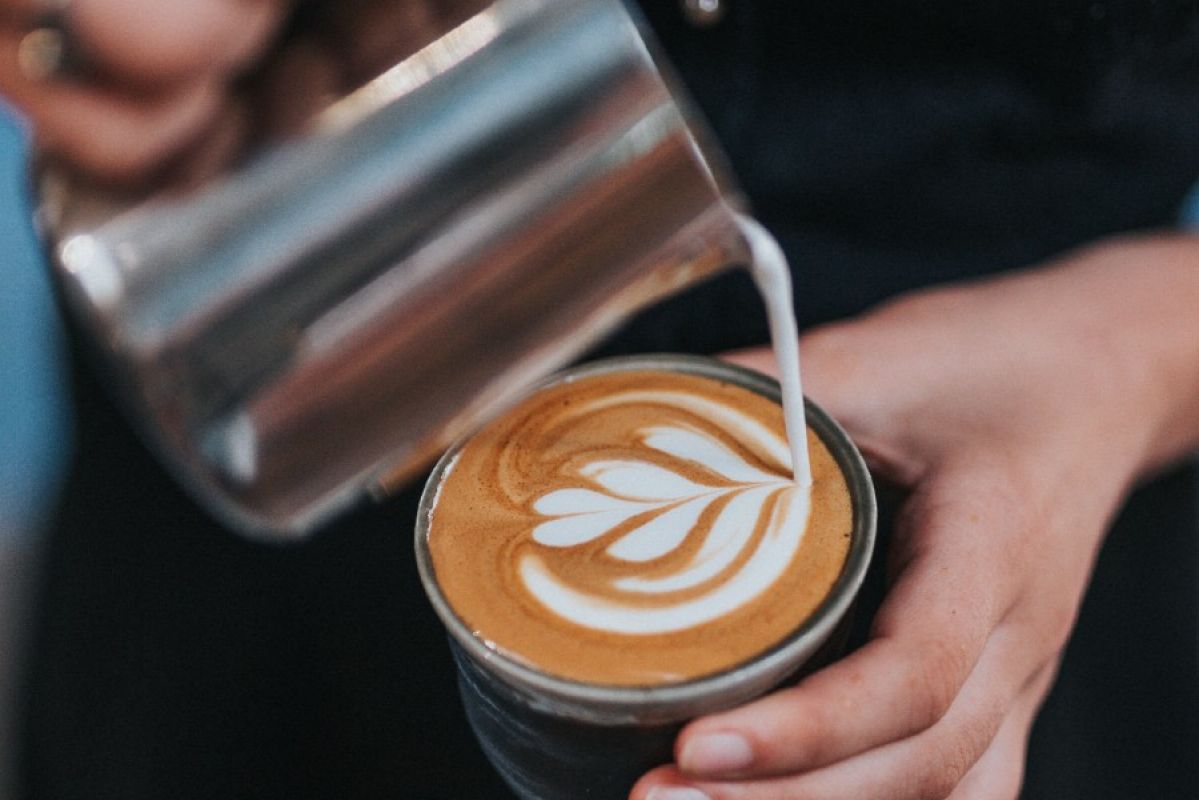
578 528
729 534
661 534
740 425
642 480
582 501
736 523
700 448
762 569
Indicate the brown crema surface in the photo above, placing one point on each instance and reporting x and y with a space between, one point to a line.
481 530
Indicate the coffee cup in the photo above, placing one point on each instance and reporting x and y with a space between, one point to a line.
577 683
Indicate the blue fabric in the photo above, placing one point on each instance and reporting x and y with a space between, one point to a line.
1190 209
34 429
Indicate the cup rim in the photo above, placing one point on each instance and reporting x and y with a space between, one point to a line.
595 702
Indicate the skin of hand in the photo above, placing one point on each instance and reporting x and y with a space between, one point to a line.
173 91
1019 412
157 82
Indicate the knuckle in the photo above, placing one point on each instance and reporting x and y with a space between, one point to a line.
937 670
808 745
956 759
936 782
944 769
952 753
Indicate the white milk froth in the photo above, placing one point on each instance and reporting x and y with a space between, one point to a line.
668 506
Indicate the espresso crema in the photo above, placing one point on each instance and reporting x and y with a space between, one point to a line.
637 528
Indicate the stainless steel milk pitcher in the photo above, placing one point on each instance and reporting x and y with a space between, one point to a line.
320 321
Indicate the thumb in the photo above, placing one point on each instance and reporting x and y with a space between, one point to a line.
760 359
832 371
838 377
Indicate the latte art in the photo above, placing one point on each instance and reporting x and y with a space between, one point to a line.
736 513
637 528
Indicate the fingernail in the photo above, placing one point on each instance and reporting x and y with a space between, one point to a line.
675 793
716 754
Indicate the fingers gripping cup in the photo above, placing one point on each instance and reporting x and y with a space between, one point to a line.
625 550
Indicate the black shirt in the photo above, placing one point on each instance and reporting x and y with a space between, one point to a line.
897 144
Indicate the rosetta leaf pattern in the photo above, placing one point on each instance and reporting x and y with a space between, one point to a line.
672 504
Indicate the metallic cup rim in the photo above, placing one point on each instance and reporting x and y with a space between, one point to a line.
671 702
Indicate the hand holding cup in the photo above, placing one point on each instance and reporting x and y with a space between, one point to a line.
1018 412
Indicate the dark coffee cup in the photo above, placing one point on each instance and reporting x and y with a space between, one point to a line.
553 738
